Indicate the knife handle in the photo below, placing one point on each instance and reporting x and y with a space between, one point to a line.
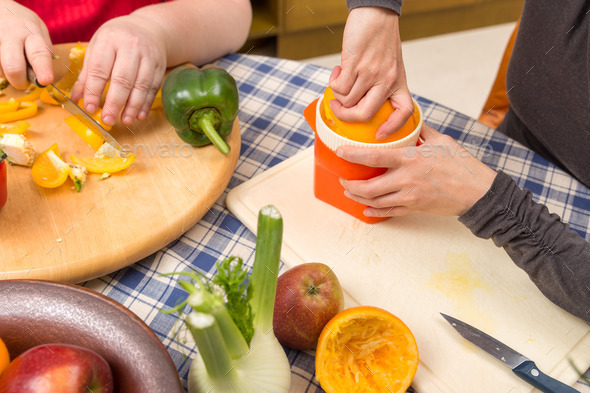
32 77
529 371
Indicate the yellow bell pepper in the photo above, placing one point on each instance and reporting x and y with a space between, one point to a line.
77 54
18 128
94 140
24 111
105 164
49 169
96 116
66 83
45 97
157 100
33 95
9 106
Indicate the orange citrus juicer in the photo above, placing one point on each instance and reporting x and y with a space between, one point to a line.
329 168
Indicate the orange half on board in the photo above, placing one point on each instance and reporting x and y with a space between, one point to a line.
366 349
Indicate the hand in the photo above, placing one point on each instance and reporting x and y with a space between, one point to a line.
438 177
22 33
372 70
131 53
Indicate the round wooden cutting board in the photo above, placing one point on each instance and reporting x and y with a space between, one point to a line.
60 234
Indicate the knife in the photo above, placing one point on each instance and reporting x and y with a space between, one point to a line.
75 110
522 366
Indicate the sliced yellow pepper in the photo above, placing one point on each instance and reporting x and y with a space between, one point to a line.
105 164
66 83
45 97
9 106
49 169
18 128
157 100
77 54
96 116
33 95
94 140
26 110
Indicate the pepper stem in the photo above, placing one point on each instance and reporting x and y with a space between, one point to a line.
206 120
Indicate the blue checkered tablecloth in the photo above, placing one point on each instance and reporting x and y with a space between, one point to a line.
273 95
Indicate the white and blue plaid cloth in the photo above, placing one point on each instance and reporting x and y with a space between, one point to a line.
273 95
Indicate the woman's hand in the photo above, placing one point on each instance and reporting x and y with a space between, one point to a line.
372 70
131 53
22 33
439 177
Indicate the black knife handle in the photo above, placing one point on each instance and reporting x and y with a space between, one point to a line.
529 371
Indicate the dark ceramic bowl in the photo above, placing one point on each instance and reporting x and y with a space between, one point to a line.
41 312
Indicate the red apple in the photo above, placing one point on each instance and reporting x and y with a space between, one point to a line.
308 296
57 368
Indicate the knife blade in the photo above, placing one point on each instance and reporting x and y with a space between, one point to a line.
522 366
75 110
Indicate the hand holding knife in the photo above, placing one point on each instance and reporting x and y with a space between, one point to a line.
522 366
75 110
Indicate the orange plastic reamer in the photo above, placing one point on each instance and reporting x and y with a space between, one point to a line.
329 168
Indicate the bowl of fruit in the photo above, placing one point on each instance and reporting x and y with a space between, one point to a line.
72 338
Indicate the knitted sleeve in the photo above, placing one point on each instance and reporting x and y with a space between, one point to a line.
556 258
394 5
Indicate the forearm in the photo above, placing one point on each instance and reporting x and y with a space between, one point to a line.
556 258
199 31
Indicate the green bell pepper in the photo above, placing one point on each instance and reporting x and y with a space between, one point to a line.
201 105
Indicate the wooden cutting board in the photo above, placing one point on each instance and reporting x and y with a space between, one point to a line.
416 267
59 234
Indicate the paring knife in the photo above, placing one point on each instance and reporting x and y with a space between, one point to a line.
75 110
520 364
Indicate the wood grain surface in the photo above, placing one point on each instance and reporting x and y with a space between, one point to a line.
416 267
59 234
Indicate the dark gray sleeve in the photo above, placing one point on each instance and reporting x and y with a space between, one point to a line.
394 5
556 258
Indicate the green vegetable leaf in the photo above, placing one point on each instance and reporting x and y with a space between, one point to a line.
233 280
78 185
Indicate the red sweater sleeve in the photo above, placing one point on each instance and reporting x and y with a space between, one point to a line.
77 20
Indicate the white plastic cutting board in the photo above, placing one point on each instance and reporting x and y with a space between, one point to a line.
416 267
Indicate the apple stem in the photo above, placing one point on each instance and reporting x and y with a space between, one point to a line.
313 290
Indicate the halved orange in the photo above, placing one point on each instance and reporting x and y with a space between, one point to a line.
362 131
366 349
104 164
4 357
49 169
